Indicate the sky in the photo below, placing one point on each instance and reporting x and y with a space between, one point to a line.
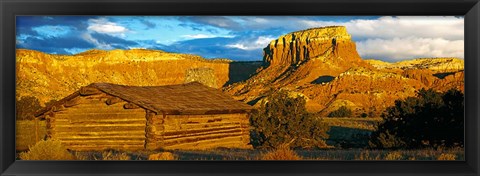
240 38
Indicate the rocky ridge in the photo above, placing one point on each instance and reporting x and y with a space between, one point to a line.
50 76
306 64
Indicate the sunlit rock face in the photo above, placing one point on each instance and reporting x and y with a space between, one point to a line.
48 76
322 65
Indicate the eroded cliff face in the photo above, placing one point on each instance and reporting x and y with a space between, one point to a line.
300 58
318 43
330 74
48 76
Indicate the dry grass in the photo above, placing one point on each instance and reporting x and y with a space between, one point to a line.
356 123
110 155
162 156
394 155
47 150
281 153
447 156
25 134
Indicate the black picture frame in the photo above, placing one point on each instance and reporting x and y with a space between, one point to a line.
11 8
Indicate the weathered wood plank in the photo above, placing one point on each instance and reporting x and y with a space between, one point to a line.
193 131
210 133
103 142
105 147
82 117
137 120
233 142
198 138
100 125
81 138
175 127
97 133
96 128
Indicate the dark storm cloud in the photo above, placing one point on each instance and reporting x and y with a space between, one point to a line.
58 45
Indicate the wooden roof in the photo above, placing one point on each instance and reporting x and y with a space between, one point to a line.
189 98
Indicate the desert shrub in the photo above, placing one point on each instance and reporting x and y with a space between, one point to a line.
447 156
364 115
284 120
47 150
394 155
281 153
26 107
343 111
365 155
162 156
431 119
112 155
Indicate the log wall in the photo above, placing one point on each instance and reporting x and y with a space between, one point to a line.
88 123
201 131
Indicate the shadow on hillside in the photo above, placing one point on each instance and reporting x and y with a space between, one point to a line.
241 71
443 75
323 79
342 137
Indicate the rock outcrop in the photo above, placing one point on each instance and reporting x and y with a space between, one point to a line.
322 65
50 76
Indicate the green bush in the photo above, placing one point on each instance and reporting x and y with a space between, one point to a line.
26 107
431 119
341 112
284 120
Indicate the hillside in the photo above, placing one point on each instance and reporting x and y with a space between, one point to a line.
308 64
50 76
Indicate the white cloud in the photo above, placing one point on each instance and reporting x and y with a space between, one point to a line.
89 38
404 37
411 47
200 36
447 27
102 25
260 42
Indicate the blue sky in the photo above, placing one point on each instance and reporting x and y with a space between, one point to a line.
240 38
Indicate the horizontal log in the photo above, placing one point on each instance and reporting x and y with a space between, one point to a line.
103 142
98 110
210 133
102 134
97 129
107 138
80 123
190 131
201 119
100 125
234 142
199 138
100 120
175 127
105 147
93 116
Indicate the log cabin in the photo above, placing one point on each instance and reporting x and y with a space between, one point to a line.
104 116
